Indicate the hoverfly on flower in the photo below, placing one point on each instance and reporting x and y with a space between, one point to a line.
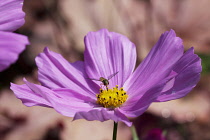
105 81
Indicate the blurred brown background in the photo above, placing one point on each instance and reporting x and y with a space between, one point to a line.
62 24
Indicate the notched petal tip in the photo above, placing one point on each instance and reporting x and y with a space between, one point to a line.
171 35
46 50
170 32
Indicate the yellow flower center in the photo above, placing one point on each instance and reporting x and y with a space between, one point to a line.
111 98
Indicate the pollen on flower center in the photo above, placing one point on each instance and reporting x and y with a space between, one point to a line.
111 98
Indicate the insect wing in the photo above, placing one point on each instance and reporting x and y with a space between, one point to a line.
93 79
112 75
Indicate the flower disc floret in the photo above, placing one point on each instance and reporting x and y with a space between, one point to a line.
111 98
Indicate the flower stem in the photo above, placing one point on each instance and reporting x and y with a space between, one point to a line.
115 131
134 134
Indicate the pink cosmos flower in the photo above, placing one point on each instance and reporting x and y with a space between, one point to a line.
11 44
167 73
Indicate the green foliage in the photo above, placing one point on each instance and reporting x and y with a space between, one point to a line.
205 60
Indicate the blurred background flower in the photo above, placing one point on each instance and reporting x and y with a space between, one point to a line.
155 134
11 44
62 25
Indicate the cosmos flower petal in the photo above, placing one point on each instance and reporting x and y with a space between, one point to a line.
134 107
135 110
12 16
66 104
11 45
102 115
188 69
71 95
107 53
29 97
62 104
69 107
56 72
157 65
